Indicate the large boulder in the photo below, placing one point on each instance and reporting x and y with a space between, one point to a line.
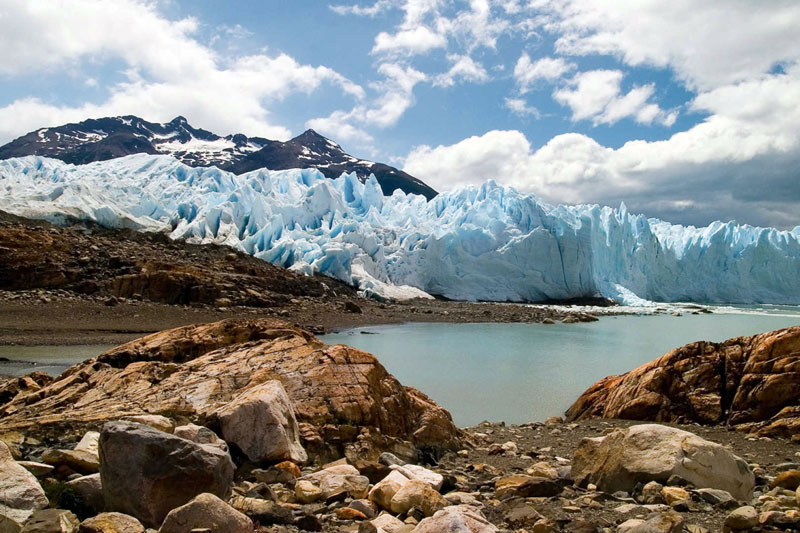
206 511
261 423
20 492
146 473
344 400
652 452
751 383
458 518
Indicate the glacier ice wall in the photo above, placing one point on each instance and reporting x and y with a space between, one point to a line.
476 243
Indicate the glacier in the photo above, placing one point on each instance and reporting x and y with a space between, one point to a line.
486 243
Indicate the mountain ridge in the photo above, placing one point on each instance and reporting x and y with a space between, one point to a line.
111 137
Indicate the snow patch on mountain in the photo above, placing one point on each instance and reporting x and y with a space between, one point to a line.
476 243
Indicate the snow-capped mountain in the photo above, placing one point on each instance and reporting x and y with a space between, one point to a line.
475 243
111 137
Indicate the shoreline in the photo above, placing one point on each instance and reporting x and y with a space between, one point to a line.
56 317
41 318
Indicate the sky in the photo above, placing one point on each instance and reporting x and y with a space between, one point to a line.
684 110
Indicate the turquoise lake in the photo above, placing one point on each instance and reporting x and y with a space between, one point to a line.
512 372
527 372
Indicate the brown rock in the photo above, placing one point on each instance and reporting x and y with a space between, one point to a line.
459 518
788 480
346 513
77 460
527 486
195 370
206 511
111 523
52 521
383 492
751 383
261 423
289 467
417 494
652 452
146 473
20 492
90 489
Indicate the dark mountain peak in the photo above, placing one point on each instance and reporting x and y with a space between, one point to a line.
309 133
106 138
311 136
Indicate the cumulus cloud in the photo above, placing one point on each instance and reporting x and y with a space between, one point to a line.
416 40
596 95
527 72
718 169
464 69
168 71
707 44
395 96
425 26
372 10
520 107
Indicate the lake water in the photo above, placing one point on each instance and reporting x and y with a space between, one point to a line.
50 359
513 372
527 372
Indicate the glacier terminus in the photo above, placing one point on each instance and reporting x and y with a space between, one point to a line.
487 243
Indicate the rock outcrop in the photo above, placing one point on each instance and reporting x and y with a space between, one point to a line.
652 452
343 398
750 383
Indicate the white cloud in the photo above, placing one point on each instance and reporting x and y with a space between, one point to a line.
417 40
740 161
373 10
395 95
169 71
527 72
425 28
494 155
464 69
596 95
40 35
475 26
413 36
520 107
708 44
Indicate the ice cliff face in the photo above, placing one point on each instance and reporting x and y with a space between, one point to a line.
485 243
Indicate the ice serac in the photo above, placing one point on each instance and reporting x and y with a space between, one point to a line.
475 243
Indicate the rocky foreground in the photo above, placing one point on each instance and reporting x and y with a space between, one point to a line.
255 425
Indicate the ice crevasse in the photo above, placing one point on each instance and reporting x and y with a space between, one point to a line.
475 243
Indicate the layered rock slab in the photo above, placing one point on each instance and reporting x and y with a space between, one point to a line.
341 396
750 383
